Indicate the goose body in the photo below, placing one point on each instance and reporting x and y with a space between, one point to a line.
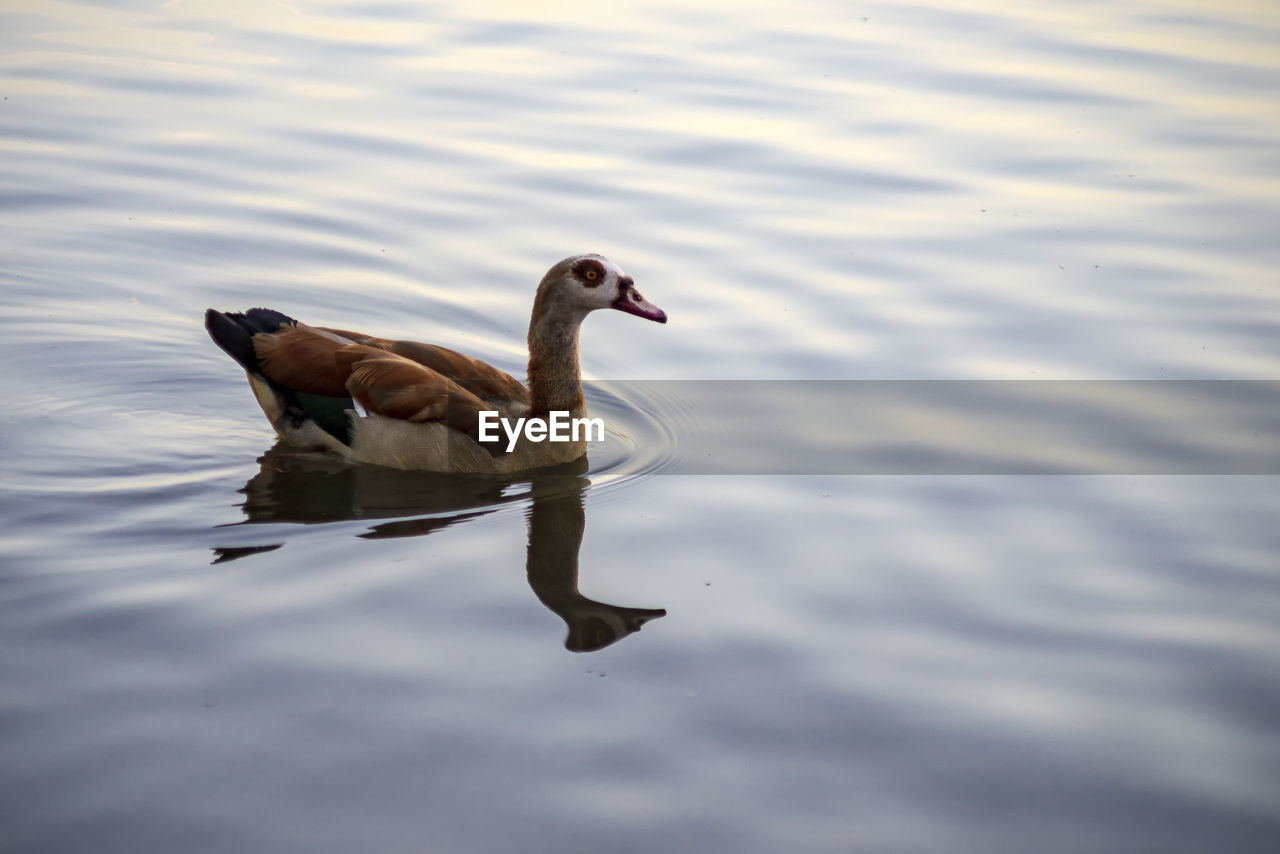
424 406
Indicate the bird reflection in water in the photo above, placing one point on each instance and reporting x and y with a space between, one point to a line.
311 488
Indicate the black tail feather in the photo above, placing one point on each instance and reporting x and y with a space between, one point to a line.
233 331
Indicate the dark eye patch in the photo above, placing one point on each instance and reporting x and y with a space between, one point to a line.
589 271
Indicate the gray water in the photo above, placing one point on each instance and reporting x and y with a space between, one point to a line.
868 635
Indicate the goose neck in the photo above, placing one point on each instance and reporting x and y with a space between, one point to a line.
555 377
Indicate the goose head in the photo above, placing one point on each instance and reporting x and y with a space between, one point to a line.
579 285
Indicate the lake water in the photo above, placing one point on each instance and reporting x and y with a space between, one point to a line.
993 584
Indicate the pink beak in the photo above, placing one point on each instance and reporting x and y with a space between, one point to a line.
630 301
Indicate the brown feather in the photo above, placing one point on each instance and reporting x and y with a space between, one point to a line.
357 337
298 358
398 379
480 378
396 387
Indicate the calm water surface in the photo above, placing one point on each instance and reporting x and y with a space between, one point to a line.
211 644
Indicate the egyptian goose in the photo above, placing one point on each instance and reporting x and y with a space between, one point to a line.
426 407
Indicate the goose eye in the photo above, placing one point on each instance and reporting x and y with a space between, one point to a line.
589 273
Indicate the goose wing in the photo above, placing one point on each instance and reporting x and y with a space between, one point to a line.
480 378
327 362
